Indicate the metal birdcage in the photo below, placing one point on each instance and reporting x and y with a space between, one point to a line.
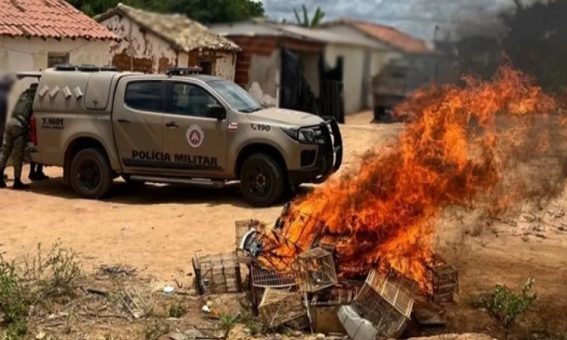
216 274
444 279
281 306
315 270
386 300
262 278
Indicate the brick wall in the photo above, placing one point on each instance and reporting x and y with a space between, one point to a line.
261 46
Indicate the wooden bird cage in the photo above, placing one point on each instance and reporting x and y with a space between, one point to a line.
444 280
281 306
386 300
315 270
217 274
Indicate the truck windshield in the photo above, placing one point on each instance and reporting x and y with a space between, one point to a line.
236 96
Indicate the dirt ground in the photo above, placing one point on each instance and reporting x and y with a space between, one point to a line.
157 229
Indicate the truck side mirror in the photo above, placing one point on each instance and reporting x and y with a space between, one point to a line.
217 111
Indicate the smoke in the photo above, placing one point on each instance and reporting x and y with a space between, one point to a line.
423 18
488 145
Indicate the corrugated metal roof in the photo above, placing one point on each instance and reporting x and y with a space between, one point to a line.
48 19
184 33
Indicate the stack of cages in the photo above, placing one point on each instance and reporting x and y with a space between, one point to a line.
217 274
280 306
386 300
315 270
444 280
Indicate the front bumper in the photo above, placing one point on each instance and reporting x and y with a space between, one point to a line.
329 155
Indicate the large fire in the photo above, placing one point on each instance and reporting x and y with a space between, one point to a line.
457 151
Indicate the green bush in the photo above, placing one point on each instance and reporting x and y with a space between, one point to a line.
55 274
507 306
176 310
14 304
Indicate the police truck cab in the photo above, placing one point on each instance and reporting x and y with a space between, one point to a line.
99 124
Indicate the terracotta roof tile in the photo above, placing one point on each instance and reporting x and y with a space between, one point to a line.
391 36
48 19
184 33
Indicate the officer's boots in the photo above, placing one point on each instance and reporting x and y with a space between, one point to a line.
18 185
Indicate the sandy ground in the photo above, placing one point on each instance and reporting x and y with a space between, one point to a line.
157 229
154 228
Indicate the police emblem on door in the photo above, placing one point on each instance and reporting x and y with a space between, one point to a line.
195 136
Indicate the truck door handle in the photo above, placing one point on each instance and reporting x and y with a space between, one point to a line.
123 121
172 125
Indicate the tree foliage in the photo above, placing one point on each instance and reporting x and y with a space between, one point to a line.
205 11
305 20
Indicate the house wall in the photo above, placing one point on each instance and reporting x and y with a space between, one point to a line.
382 53
353 73
258 68
145 51
30 54
140 50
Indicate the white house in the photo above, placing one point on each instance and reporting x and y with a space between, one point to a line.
153 42
37 34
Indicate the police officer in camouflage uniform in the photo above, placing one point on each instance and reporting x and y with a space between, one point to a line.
16 136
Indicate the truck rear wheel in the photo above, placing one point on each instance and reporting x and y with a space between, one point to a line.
91 175
262 180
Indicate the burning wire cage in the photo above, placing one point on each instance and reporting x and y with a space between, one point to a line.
386 300
281 306
316 270
444 279
217 274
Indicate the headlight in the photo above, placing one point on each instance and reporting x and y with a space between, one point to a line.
304 135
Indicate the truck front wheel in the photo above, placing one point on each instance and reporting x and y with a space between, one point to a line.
262 180
91 175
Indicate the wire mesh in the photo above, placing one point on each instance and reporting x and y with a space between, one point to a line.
316 270
281 306
386 300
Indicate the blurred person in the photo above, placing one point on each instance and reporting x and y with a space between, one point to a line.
16 136
6 83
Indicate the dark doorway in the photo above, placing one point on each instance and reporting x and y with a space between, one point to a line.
332 91
296 94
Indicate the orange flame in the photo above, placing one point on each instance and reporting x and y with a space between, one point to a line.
455 151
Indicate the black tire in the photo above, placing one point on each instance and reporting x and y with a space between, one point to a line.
262 180
91 175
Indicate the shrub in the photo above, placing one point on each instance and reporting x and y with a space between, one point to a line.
228 321
14 304
176 310
54 275
507 306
